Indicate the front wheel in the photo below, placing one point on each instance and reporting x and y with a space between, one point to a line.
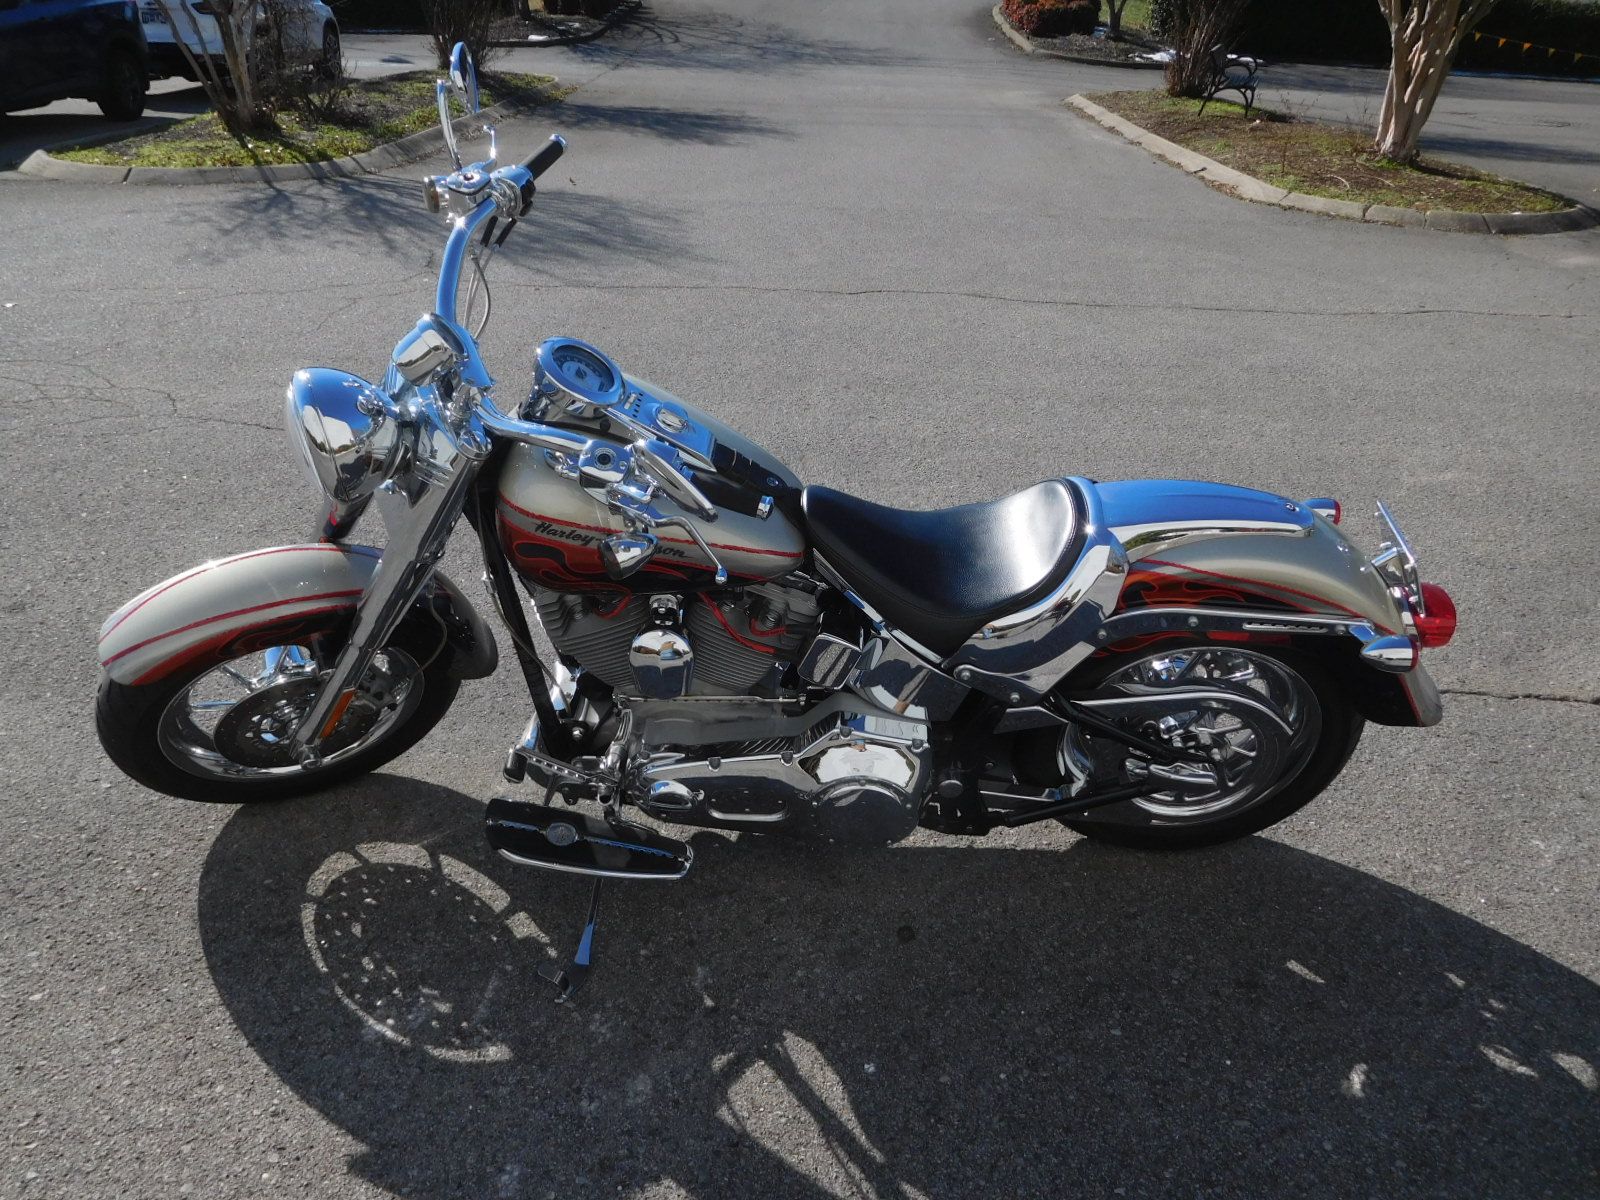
1275 727
219 731
123 91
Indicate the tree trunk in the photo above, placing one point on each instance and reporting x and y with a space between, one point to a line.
233 92
237 24
1424 36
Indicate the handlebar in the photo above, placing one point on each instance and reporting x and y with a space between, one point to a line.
540 161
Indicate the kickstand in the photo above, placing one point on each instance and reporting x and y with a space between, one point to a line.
575 974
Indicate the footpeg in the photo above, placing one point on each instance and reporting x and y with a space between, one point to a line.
557 839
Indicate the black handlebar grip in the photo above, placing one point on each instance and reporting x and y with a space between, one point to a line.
540 162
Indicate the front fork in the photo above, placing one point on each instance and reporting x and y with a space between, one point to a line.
419 509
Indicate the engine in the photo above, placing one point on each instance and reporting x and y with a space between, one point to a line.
844 768
848 776
727 642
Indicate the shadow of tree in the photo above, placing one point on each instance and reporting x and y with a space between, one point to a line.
672 124
23 133
1518 151
386 212
385 216
936 1022
707 39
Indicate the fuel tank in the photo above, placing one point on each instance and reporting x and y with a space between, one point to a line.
551 528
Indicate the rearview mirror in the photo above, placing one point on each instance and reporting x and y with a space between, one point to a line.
464 77
463 84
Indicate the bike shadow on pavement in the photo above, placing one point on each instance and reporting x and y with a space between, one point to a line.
939 1020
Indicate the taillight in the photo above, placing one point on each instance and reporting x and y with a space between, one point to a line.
1328 507
1438 625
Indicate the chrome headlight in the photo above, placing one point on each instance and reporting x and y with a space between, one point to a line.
342 428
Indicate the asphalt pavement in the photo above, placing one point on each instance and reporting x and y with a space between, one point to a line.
872 237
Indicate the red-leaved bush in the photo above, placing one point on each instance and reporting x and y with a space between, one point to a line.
1052 18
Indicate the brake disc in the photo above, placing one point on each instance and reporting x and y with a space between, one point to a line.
256 732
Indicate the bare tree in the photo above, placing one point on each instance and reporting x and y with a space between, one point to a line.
469 21
1424 36
232 87
1114 18
1194 27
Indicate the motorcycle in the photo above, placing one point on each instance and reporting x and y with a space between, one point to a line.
1155 663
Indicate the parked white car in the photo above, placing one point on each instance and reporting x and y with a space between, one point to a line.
307 30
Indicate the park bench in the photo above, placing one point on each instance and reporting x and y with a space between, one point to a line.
1232 73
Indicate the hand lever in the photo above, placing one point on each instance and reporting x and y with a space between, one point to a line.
658 458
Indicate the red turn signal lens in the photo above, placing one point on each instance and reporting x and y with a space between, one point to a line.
1439 626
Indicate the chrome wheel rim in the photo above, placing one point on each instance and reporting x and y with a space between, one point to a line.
1254 718
234 721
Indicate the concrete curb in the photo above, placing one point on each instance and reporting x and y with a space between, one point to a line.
42 165
1248 187
612 19
1028 46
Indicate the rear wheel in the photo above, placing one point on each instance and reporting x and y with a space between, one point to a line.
123 91
219 731
1273 727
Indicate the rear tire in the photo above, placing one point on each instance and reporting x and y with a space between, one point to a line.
1339 731
129 720
123 93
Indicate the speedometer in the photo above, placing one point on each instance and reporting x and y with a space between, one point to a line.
568 372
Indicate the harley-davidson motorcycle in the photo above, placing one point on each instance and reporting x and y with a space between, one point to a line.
1155 663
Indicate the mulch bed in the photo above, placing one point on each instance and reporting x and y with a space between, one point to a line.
1317 159
375 111
548 27
1082 46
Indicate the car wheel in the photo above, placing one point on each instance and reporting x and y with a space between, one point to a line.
122 95
331 64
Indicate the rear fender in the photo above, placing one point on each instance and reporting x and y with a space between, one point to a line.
250 601
1200 550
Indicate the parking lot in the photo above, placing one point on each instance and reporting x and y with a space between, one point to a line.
873 238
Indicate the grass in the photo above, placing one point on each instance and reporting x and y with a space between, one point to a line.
1136 16
1316 159
378 111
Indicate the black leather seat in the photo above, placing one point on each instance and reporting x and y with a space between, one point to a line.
938 576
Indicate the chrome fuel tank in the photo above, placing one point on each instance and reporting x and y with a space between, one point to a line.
551 528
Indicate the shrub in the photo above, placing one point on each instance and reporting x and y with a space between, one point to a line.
1053 18
1194 27
1355 31
469 21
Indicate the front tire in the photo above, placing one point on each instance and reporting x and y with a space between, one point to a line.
123 92
1320 731
184 736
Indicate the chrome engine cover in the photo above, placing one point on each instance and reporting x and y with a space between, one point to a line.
851 776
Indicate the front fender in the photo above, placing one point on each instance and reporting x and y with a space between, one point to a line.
218 605
1201 545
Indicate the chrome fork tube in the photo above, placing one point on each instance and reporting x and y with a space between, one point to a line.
419 510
